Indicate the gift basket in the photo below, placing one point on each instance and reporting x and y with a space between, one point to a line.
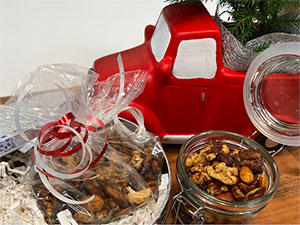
87 164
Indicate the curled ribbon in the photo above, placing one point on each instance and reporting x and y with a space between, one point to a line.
66 130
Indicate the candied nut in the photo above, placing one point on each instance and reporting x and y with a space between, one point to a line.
244 187
255 193
249 154
215 188
210 156
147 161
137 159
115 194
262 180
83 217
138 197
152 182
93 187
237 193
222 157
254 165
156 166
225 149
246 175
123 211
148 150
101 214
95 205
226 196
227 175
188 162
224 188
112 204
199 168
234 152
48 200
200 178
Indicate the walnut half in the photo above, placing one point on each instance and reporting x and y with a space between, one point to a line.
225 174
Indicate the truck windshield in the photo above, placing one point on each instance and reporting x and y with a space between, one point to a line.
160 39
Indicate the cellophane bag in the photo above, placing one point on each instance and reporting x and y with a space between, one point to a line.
43 96
141 149
69 175
116 186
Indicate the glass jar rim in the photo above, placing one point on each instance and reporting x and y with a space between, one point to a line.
222 202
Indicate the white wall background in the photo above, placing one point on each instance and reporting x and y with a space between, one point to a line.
37 32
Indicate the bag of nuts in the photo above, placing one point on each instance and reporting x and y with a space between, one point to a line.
140 149
116 186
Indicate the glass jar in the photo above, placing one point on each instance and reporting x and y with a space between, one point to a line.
198 206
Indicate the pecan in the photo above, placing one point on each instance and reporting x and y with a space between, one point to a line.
95 205
226 196
246 175
222 157
244 187
255 193
249 154
216 188
93 187
237 193
115 194
254 165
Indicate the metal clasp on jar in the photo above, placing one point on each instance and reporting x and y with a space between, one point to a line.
273 149
179 200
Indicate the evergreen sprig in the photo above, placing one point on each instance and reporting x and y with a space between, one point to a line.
253 18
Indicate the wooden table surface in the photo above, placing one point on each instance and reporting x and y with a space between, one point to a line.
284 208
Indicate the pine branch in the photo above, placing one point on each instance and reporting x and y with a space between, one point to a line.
289 22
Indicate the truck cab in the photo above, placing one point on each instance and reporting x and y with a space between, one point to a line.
188 90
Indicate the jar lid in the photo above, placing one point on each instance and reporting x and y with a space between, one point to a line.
271 93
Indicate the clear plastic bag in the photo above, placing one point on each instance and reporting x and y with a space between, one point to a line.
71 108
44 96
116 186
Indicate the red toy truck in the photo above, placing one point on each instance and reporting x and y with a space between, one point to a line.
188 89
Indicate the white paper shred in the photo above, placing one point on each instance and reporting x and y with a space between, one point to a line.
17 205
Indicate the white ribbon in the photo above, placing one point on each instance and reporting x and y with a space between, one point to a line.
138 116
65 218
122 78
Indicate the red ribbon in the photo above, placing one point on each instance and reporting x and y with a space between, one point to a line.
52 131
